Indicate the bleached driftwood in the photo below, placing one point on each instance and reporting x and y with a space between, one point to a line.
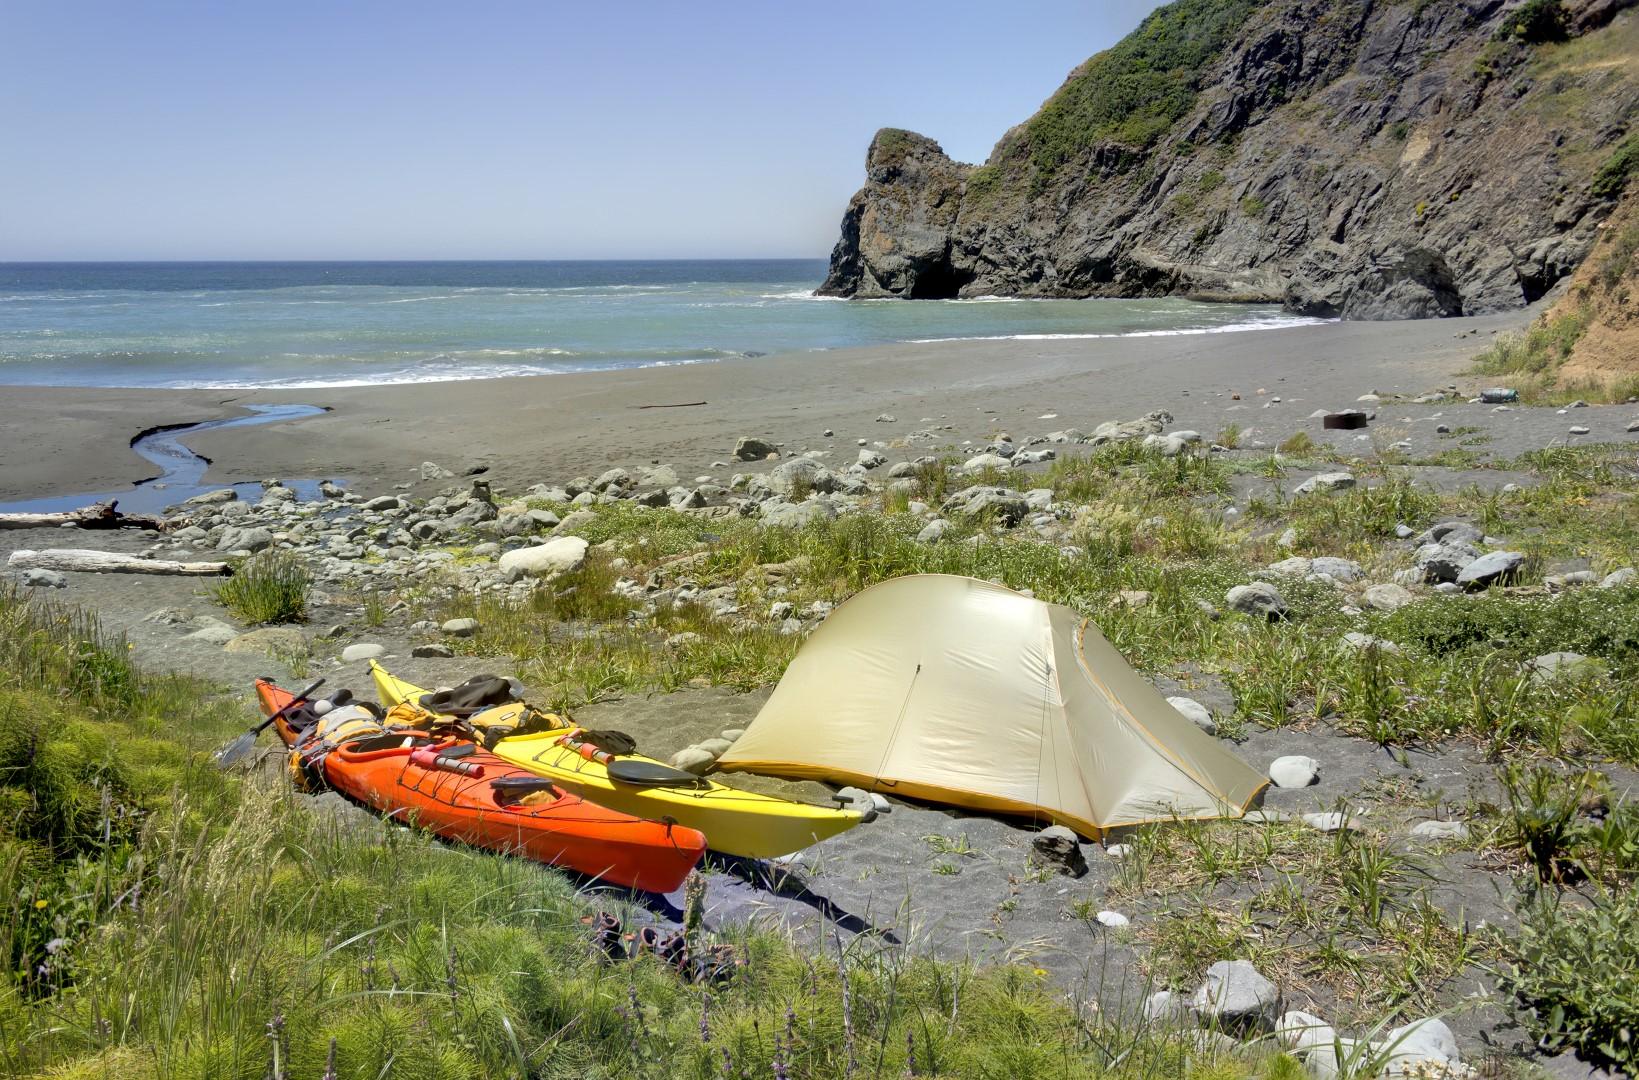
85 561
97 516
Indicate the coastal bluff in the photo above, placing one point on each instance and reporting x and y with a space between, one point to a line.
1346 158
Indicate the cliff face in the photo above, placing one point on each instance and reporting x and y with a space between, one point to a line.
1603 302
1362 158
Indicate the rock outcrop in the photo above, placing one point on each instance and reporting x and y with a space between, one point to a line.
1355 158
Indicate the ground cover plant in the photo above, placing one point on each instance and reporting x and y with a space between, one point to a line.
164 919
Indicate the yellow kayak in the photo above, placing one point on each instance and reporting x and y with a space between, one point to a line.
735 822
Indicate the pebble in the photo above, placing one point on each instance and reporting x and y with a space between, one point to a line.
1578 429
362 651
1112 919
1294 771
1328 822
1440 830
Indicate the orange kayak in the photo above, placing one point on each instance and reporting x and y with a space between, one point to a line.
474 797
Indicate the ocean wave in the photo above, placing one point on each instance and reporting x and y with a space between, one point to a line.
1186 331
419 374
417 299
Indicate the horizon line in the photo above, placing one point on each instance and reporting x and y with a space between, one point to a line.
183 262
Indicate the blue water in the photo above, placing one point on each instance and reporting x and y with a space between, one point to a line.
314 324
181 473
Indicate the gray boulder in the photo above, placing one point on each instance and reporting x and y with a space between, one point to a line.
562 555
43 579
786 515
1344 571
801 473
1627 575
1387 597
363 651
747 448
1259 599
460 627
1332 481
1058 848
1294 771
1236 995
250 538
1444 561
1490 569
933 532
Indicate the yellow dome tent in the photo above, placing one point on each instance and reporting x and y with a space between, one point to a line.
957 691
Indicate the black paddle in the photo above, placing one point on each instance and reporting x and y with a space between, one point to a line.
238 748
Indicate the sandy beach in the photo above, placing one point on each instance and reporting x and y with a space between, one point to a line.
57 441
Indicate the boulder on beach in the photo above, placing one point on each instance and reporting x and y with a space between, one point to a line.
561 555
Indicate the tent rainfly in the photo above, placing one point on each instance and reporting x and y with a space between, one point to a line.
957 691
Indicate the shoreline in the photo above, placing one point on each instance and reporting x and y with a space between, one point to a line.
61 440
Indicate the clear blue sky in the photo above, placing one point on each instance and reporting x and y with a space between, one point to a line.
278 129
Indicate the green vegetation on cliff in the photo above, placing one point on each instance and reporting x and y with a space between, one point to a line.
1138 88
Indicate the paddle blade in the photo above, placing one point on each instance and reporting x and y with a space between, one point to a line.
231 754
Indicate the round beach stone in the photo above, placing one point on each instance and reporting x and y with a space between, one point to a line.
1112 919
460 627
1258 599
561 555
363 651
1236 994
1387 597
1294 771
694 760
1300 1031
1440 830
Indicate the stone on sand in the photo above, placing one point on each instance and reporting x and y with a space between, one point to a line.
1237 995
364 650
748 448
1332 481
561 555
1294 771
1059 848
271 641
1489 569
460 627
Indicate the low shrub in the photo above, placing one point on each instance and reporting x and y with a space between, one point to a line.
1575 975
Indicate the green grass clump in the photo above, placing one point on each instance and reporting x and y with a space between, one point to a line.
1613 175
1134 91
1534 22
269 587
1594 622
1575 973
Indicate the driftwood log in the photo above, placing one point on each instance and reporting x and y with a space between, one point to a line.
84 561
97 516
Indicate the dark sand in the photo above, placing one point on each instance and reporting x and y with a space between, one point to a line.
57 441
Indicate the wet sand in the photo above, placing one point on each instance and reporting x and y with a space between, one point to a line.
61 440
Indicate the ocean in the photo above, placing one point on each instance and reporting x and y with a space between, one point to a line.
315 324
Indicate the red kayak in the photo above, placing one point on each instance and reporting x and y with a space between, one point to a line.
459 791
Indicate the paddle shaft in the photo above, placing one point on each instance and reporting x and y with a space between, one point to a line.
291 704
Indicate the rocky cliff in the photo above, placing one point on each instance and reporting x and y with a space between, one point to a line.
1362 158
